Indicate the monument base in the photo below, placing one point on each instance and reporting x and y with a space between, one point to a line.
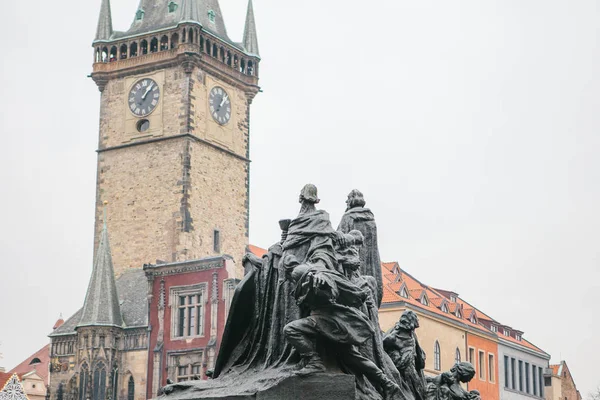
312 387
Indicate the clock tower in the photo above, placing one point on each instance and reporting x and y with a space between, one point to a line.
173 149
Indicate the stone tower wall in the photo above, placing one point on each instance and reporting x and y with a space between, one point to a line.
168 191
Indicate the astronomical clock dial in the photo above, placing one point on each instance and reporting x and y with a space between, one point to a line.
220 105
143 97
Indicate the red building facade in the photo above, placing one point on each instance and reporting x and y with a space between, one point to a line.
187 310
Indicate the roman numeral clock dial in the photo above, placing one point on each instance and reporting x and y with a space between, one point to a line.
220 105
143 97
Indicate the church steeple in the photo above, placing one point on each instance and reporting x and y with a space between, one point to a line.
101 307
105 28
250 37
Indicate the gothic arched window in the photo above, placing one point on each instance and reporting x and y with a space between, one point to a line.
84 377
130 388
457 356
59 392
115 382
437 363
99 391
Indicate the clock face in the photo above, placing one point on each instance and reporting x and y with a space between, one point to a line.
220 105
144 97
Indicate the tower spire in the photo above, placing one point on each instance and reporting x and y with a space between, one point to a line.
101 305
250 37
105 28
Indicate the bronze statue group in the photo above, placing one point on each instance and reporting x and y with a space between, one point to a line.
310 306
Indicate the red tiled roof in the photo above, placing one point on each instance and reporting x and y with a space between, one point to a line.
257 251
41 369
58 323
415 286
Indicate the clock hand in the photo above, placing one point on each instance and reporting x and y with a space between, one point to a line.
147 91
223 101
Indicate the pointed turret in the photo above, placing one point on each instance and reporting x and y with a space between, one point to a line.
250 37
101 307
105 28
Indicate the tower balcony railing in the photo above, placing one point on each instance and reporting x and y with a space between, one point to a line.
149 50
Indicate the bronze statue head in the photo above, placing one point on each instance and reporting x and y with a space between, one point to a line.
409 320
463 371
355 199
309 194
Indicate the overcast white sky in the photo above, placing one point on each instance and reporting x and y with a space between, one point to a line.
472 127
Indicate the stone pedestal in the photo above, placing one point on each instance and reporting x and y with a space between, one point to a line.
314 387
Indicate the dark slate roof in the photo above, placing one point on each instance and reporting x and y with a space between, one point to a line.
157 17
101 306
132 287
250 37
105 28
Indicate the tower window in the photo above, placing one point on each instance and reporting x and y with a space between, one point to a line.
139 15
172 7
212 16
164 43
144 46
154 45
123 52
217 241
174 40
113 53
133 49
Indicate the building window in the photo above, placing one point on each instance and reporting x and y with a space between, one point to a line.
518 337
491 368
424 300
458 313
513 374
520 375
84 377
541 378
216 241
472 355
115 382
404 293
527 387
185 366
506 332
473 319
139 15
444 308
457 356
534 373
481 365
102 341
494 328
437 363
99 390
172 7
187 372
506 372
187 303
130 388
